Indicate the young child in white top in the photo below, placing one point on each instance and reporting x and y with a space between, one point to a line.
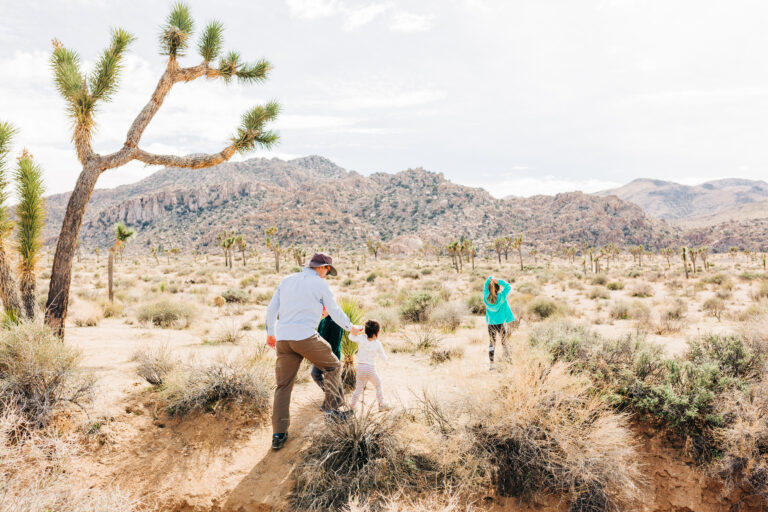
368 349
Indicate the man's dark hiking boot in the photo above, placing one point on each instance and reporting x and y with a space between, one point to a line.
338 416
278 440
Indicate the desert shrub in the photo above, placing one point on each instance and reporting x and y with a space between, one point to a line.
347 282
235 295
447 315
422 339
411 274
715 306
615 285
389 318
364 457
672 317
753 311
426 271
227 333
417 306
717 279
642 290
475 304
167 313
444 355
621 310
528 288
761 292
219 301
599 292
679 393
371 277
634 273
251 280
544 432
575 285
39 374
262 298
200 387
542 307
599 280
154 363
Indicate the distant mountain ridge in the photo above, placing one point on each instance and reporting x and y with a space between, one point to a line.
314 202
714 201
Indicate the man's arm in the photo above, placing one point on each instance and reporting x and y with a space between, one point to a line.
271 319
335 312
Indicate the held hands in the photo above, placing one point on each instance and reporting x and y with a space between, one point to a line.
355 330
271 341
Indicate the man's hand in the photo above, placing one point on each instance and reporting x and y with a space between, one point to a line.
271 341
355 330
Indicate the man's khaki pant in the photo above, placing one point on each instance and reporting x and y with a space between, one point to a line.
290 353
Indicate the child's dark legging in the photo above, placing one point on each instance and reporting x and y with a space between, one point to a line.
497 332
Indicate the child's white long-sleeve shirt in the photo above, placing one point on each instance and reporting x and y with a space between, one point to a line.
368 350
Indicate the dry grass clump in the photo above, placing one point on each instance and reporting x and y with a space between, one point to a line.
167 313
423 338
86 314
544 432
447 316
154 363
599 292
228 333
39 374
671 318
203 387
444 355
642 290
366 458
475 304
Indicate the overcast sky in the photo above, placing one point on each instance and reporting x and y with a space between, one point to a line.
520 97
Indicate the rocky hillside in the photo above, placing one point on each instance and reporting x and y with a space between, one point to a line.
316 203
728 199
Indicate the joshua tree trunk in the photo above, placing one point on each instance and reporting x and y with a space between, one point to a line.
520 252
28 294
277 262
110 273
243 251
8 290
61 273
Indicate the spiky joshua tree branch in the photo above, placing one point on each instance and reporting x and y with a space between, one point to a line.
83 93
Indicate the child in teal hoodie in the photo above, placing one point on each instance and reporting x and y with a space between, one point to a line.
497 313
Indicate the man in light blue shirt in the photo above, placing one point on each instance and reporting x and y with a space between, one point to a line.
298 303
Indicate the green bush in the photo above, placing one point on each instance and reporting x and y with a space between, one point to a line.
642 290
615 285
417 306
598 292
599 280
543 307
476 304
167 313
371 277
236 295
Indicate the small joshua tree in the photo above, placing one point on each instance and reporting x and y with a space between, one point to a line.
97 251
517 244
273 244
373 247
667 252
122 234
30 213
242 246
226 242
299 255
498 246
83 94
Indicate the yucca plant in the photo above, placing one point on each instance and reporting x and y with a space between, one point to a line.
122 234
354 311
31 216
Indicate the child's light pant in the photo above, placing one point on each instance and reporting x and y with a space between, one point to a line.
366 373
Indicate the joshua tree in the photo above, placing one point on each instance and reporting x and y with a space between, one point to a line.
242 245
637 252
704 254
685 261
667 252
470 250
299 255
83 94
734 251
498 246
373 247
175 251
273 244
122 235
31 214
154 251
535 254
97 251
570 253
454 249
226 241
692 255
517 244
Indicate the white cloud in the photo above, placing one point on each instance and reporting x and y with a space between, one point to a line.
548 185
403 21
373 93
353 16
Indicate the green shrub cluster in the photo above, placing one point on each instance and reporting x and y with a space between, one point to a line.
236 295
417 306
